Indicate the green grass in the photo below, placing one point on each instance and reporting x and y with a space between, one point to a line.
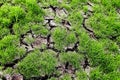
9 49
38 63
72 58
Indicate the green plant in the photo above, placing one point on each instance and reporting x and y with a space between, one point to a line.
34 11
72 58
63 38
37 64
84 42
4 20
107 21
20 29
108 64
29 39
4 32
96 74
95 52
9 49
75 4
71 38
81 75
52 78
59 35
40 30
66 77
113 75
32 6
110 46
75 18
16 13
118 40
49 2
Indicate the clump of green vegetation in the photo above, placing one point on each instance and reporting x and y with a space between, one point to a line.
73 58
40 30
96 74
62 38
71 38
9 49
66 77
29 39
75 17
37 64
118 41
20 29
84 42
4 32
58 36
105 22
110 46
81 75
11 14
16 12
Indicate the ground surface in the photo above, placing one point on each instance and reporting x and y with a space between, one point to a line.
60 39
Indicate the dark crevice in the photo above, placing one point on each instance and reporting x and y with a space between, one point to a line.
86 63
65 22
66 65
22 36
11 27
91 32
1 4
88 3
51 26
49 19
45 7
75 47
54 49
53 8
48 40
21 40
65 11
114 37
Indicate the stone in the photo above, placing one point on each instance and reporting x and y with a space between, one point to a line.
61 13
49 17
60 1
1 74
45 22
39 41
17 77
87 70
49 12
8 77
52 23
66 24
